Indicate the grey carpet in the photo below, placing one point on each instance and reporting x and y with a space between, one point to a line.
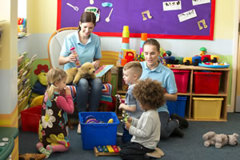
190 147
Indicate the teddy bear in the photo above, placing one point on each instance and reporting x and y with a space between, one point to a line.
87 70
219 140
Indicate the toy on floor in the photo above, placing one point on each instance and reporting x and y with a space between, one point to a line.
87 70
31 156
219 140
108 150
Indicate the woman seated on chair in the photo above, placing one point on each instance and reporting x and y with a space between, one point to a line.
87 46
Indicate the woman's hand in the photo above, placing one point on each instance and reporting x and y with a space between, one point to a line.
72 58
63 60
96 63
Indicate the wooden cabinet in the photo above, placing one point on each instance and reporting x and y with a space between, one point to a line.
190 94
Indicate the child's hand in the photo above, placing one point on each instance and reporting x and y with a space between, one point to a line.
122 106
129 119
127 125
67 91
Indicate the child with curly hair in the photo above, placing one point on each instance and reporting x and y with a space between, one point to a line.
146 129
56 104
131 73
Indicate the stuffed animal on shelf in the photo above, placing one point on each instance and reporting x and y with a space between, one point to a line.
219 140
87 70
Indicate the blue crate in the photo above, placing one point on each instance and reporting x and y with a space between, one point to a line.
95 134
178 107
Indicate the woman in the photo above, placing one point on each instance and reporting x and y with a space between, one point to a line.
87 46
152 68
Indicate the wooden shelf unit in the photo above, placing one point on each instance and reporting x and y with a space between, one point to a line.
223 89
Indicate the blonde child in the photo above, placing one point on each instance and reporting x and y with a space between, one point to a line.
56 104
146 129
131 73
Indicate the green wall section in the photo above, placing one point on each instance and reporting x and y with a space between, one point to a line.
228 59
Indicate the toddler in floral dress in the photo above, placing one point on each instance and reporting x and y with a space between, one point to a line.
53 136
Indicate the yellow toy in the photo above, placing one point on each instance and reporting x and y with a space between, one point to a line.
110 120
187 60
87 70
214 58
37 101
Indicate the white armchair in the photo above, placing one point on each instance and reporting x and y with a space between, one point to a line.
55 44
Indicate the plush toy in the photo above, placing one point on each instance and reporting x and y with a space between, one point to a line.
87 70
219 140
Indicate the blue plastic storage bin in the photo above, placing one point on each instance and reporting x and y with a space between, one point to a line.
178 107
94 134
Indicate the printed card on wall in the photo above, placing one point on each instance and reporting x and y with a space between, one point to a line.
173 19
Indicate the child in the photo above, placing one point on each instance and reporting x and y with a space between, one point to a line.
146 130
131 73
153 69
56 104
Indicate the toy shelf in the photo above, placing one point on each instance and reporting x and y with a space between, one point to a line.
190 94
222 92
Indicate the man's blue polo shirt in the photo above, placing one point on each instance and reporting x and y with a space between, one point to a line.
163 75
86 52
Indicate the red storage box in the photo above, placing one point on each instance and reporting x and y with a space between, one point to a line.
181 78
207 82
30 118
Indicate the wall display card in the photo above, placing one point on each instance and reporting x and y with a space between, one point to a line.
172 5
199 2
187 15
177 19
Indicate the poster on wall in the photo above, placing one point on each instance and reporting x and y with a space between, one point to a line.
170 19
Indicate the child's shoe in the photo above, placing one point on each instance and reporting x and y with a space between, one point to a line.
120 134
183 123
177 132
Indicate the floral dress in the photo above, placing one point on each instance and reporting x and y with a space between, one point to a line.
52 126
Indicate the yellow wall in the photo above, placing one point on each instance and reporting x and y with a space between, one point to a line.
8 48
224 19
42 17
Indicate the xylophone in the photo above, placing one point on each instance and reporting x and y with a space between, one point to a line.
108 150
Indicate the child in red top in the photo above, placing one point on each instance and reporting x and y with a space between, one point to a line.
56 104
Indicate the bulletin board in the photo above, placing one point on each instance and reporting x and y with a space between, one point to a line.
181 19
